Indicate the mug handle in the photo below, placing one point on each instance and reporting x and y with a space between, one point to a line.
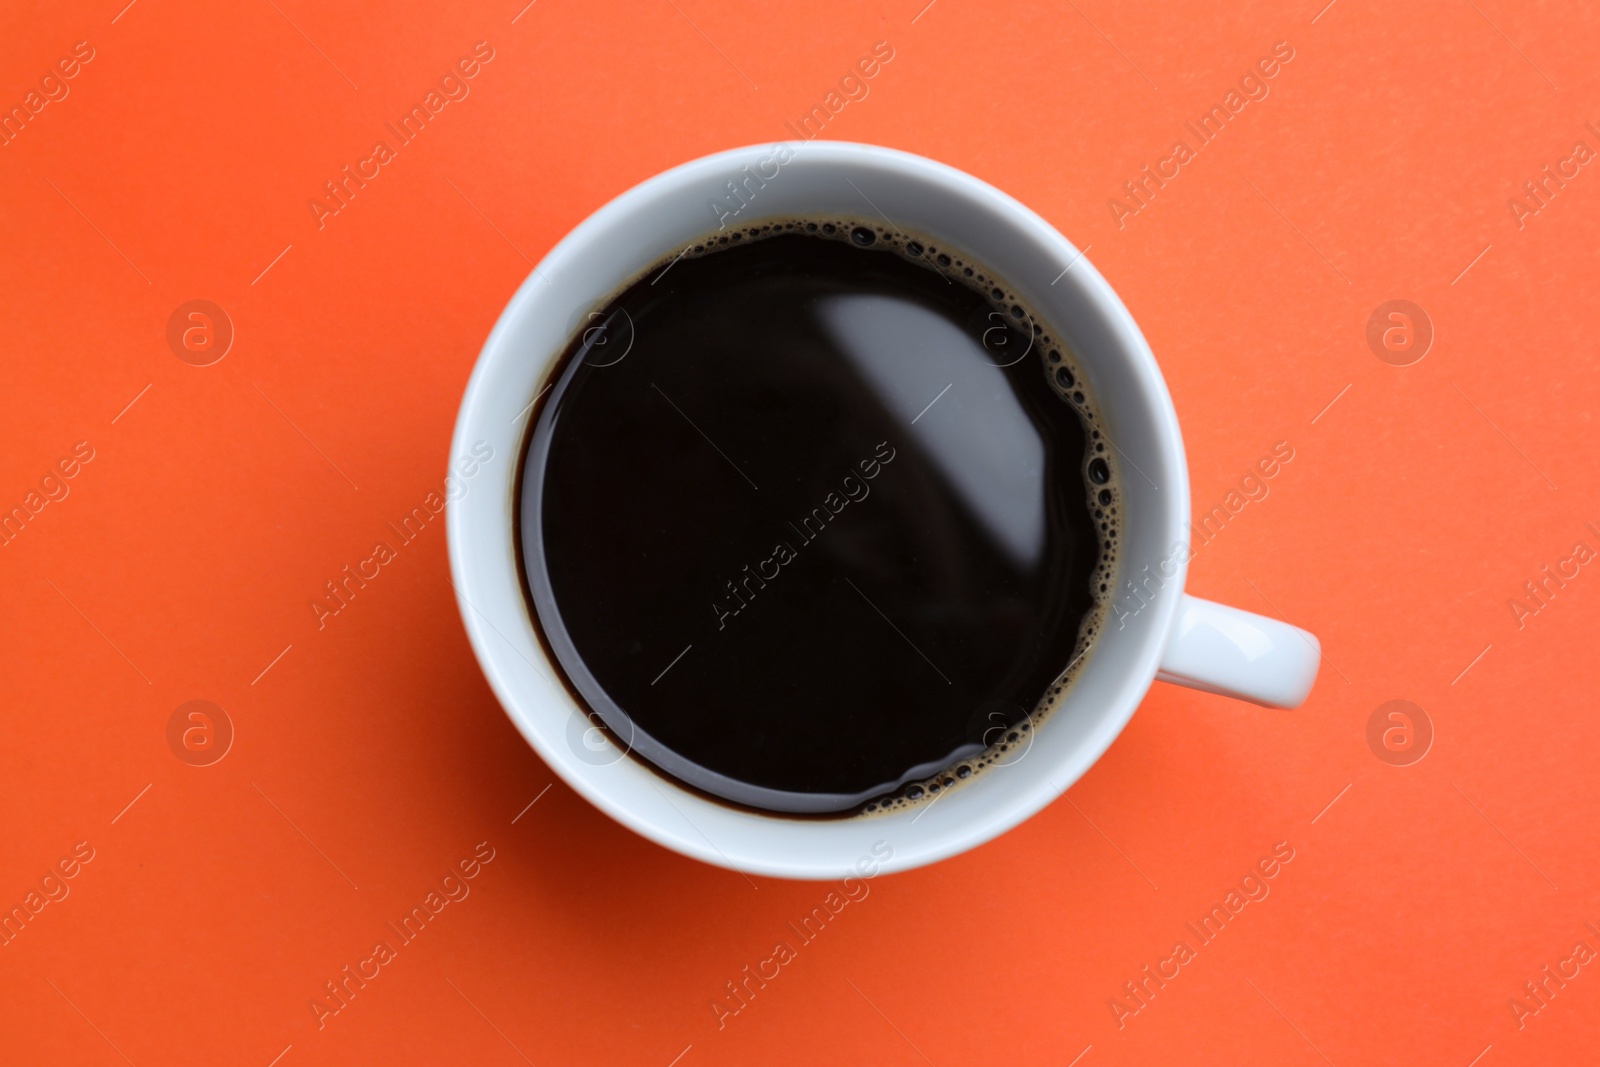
1218 649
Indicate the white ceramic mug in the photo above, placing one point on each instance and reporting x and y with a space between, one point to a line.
1156 630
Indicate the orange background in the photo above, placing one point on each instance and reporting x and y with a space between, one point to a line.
370 756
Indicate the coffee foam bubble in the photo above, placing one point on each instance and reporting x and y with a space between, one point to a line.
1064 373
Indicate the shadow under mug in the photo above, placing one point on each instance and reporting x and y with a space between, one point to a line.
1155 630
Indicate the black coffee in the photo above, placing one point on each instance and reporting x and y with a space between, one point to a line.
815 518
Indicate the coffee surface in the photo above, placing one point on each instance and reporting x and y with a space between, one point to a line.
811 515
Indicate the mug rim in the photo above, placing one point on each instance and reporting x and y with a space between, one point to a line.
541 724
